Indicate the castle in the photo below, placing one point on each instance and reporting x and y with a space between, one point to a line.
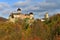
18 15
14 16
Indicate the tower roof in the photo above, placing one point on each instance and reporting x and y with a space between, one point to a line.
31 13
18 9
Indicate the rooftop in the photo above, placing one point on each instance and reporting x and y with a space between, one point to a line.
18 9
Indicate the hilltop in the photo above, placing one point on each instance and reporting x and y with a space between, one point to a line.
2 19
38 30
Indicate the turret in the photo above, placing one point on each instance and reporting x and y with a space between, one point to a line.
31 15
46 15
18 10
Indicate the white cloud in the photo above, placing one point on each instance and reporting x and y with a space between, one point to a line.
55 1
3 5
6 11
20 3
42 6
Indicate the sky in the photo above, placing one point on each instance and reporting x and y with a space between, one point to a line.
38 7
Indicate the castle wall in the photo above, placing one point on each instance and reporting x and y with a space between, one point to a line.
11 19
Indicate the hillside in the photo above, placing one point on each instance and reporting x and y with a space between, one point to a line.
3 19
47 30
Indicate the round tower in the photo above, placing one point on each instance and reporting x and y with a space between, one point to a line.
31 15
46 15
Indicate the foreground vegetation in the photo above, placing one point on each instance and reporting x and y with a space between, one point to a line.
47 30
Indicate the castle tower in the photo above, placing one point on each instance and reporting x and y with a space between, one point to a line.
19 10
31 15
46 15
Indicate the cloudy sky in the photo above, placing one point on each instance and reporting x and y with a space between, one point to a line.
38 7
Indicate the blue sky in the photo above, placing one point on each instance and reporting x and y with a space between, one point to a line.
38 7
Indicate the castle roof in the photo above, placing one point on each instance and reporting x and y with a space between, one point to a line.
18 9
31 13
